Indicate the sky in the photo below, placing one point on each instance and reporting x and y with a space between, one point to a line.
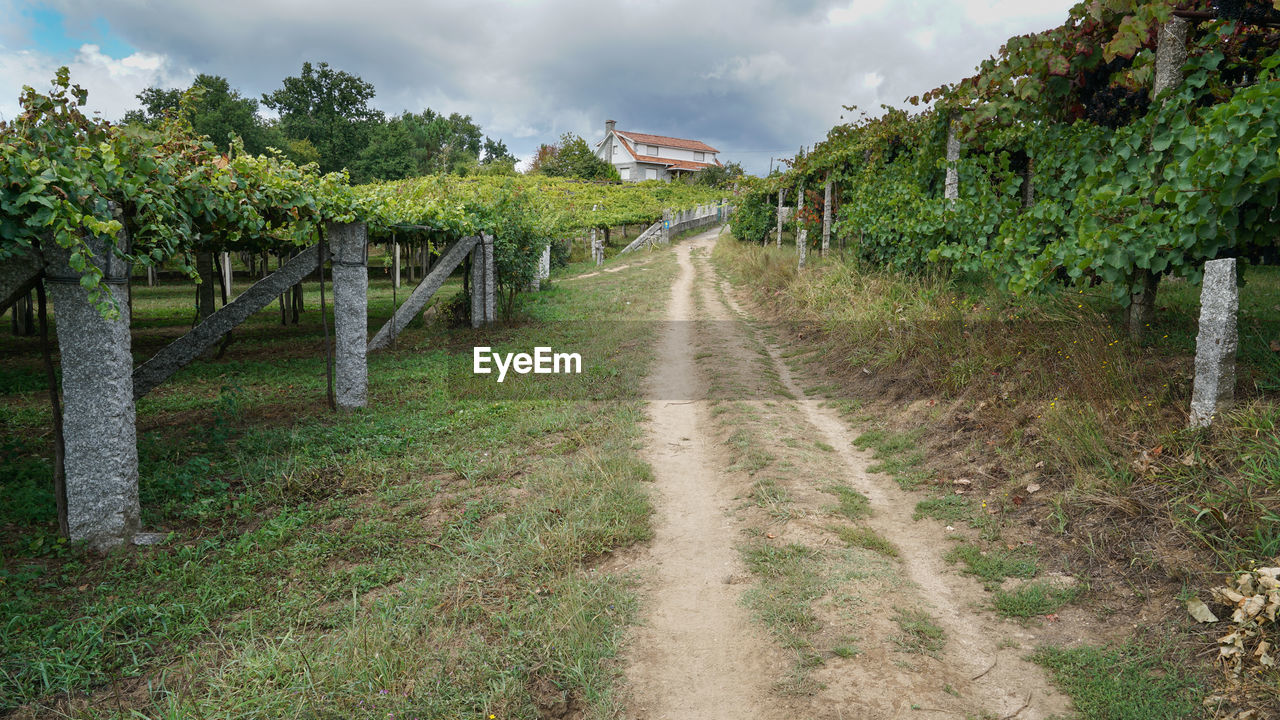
756 79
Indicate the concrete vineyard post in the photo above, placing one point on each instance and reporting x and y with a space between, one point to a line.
228 276
597 244
98 412
347 245
1215 378
482 283
952 190
1171 54
826 215
781 195
802 233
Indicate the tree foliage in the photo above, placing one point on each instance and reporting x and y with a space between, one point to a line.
328 108
213 108
572 158
64 173
1123 186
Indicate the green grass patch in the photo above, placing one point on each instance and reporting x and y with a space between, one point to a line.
898 454
771 497
749 457
948 508
866 538
996 564
920 634
850 503
1130 682
1032 599
425 554
790 581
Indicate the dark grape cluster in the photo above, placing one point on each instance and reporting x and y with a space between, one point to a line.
1245 52
1114 106
1102 103
1249 11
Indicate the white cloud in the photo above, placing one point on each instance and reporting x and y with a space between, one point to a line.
762 68
113 83
761 76
855 12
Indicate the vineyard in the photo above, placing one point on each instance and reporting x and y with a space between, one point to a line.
1085 154
975 414
175 196
97 202
1071 248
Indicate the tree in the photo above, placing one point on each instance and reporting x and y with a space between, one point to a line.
442 144
495 151
213 108
717 175
573 158
330 109
388 156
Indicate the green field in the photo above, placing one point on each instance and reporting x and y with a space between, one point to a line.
430 556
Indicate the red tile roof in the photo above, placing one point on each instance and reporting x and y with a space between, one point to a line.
667 141
674 164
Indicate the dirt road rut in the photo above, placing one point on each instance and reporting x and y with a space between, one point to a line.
750 474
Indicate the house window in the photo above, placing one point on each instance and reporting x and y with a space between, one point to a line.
653 150
650 174
625 173
700 156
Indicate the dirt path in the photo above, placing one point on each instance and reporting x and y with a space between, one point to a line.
745 463
697 654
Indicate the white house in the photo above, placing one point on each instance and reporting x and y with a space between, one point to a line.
639 156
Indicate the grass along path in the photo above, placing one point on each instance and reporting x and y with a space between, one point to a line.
432 556
844 576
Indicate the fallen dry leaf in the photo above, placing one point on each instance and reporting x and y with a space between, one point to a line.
1231 596
1200 611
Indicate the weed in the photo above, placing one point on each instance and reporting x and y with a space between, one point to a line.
920 634
1032 599
1129 682
866 538
996 564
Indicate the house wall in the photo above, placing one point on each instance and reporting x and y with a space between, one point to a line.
613 151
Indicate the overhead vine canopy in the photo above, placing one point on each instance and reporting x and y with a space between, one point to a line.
1072 170
64 174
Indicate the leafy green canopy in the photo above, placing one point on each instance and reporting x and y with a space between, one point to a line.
1121 185
63 173
573 158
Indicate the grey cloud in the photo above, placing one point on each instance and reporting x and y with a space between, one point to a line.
747 76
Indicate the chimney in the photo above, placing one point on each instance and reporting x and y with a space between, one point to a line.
608 126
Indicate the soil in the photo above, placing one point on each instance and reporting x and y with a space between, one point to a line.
699 652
